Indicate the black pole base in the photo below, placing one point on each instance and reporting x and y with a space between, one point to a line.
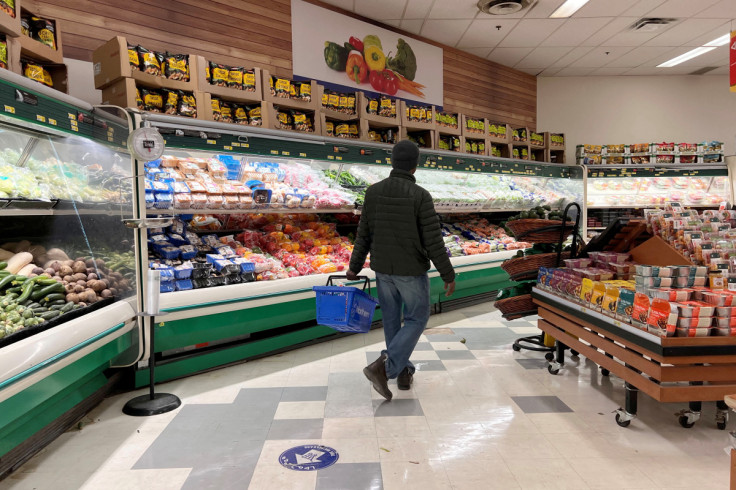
144 405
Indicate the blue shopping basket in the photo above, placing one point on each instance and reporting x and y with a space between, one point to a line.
345 308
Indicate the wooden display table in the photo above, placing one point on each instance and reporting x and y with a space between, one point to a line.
672 369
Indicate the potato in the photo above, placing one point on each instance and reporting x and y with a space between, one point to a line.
92 276
100 263
82 283
96 285
69 288
74 298
68 263
82 304
50 271
89 262
106 293
114 291
37 270
79 267
68 279
65 270
79 277
78 288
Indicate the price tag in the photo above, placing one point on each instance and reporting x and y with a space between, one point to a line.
230 148
274 152
73 117
330 157
338 158
303 155
211 142
52 122
236 144
285 153
40 118
245 145
110 139
75 128
9 109
378 161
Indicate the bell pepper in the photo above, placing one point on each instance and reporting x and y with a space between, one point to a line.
384 81
372 40
374 58
356 68
336 56
356 43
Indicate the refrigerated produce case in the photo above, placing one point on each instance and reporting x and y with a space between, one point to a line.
613 191
206 327
65 188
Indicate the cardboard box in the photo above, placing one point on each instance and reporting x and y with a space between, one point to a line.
59 76
238 96
313 105
430 136
353 119
122 94
471 134
30 48
336 115
493 136
270 119
656 251
205 111
111 64
374 119
405 122
10 26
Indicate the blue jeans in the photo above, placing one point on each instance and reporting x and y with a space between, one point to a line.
411 293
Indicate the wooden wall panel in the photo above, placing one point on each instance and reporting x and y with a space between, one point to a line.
257 33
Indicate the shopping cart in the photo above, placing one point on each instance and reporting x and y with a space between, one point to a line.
345 308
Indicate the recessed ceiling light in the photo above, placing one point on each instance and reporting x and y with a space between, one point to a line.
567 9
687 56
721 41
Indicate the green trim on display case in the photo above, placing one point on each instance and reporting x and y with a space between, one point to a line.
29 411
648 170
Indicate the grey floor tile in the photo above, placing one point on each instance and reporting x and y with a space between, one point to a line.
398 407
474 345
220 478
444 338
372 356
365 476
348 386
259 396
304 394
533 363
520 323
541 404
448 355
296 429
423 346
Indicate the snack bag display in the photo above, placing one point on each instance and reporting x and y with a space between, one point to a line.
176 67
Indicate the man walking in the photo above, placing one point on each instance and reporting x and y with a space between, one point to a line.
401 230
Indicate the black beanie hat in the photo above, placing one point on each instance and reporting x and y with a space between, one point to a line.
405 155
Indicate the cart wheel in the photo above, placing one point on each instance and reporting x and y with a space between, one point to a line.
574 353
683 422
552 370
516 347
622 423
605 372
721 425
549 356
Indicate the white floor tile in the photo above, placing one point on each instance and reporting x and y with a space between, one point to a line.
354 428
545 474
426 475
300 410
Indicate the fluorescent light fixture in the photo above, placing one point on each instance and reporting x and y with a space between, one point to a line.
687 56
721 41
567 9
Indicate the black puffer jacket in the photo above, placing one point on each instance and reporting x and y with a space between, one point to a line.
401 230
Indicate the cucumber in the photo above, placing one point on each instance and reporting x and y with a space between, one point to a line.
49 315
4 282
56 302
56 307
68 307
28 314
56 288
3 265
39 311
54 297
15 290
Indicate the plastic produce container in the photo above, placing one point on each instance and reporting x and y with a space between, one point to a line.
695 322
726 311
689 309
719 298
725 322
725 331
678 295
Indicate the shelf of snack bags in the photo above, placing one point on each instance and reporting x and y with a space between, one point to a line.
417 117
10 53
499 133
422 137
40 38
10 18
229 185
448 142
338 106
345 129
223 109
380 112
129 93
474 145
294 120
234 83
473 127
536 140
291 94
448 124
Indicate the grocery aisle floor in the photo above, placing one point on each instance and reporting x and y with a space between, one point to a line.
478 416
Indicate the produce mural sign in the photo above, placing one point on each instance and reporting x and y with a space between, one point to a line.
345 52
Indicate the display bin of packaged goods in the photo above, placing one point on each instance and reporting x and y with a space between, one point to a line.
48 74
499 133
212 107
261 216
69 272
293 120
10 20
423 138
449 123
351 129
125 93
474 145
612 191
554 144
338 106
117 59
537 149
291 94
417 117
238 84
43 42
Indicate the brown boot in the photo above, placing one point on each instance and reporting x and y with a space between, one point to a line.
404 380
376 374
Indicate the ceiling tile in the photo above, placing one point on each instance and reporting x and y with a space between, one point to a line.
531 32
598 57
642 8
604 8
447 32
482 52
392 22
725 9
685 31
574 72
381 9
543 57
680 8
482 33
549 72
723 70
639 56
343 4
575 31
710 36
609 71
717 57
509 56
412 25
531 71
417 9
541 10
453 9
630 38
614 27
572 56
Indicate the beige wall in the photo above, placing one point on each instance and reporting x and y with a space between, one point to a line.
624 110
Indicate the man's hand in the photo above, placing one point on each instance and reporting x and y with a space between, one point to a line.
449 288
352 276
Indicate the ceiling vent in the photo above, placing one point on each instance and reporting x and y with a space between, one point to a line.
704 70
503 7
651 24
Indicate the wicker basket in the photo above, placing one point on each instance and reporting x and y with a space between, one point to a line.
522 268
539 230
518 305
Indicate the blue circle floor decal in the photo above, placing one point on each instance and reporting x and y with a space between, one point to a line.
308 458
